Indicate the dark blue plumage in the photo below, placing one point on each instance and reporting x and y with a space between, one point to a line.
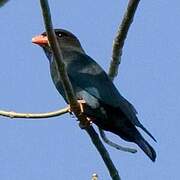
104 104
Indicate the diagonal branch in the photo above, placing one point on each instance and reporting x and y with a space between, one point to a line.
103 152
69 91
57 54
121 36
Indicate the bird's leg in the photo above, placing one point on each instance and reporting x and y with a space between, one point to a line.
81 103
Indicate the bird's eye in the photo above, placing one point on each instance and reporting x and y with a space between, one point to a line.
60 34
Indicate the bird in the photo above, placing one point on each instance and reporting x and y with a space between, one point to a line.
104 104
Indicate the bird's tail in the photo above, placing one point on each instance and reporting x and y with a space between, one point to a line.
146 147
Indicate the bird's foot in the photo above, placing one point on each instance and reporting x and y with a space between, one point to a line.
86 124
81 103
89 122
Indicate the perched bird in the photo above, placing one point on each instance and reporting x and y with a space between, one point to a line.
104 105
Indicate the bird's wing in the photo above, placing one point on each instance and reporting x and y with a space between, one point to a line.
88 75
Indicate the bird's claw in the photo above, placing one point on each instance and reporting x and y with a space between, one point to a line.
81 103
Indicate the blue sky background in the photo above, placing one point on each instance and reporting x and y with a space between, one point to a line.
149 77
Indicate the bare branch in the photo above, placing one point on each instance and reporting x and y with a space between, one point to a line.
12 114
110 143
121 36
69 91
103 152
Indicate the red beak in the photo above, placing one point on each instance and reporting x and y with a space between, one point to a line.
40 40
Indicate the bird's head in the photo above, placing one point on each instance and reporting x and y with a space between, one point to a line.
67 42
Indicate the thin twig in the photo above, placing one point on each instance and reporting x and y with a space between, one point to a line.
121 36
69 91
110 143
12 114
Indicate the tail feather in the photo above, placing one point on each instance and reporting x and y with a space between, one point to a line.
145 130
147 148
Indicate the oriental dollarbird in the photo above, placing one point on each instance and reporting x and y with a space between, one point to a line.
104 105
